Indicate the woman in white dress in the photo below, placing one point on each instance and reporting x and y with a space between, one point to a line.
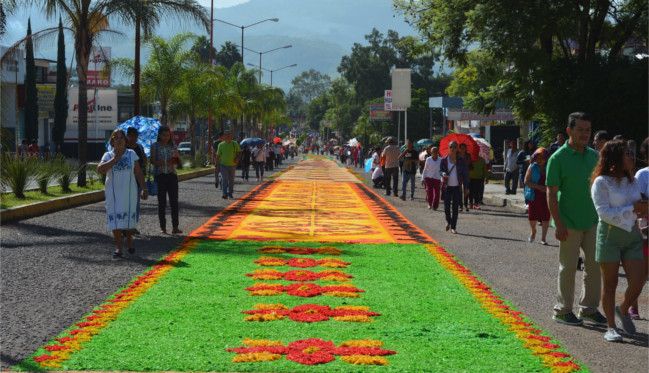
123 174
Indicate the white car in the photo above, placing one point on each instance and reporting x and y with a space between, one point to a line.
185 148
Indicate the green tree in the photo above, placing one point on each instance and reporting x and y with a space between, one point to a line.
145 16
61 95
558 56
31 93
228 55
317 109
87 19
344 110
6 7
309 85
162 75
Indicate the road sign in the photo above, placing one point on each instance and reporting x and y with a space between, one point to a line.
378 112
401 95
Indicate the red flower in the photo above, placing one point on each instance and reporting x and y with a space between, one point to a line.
311 351
42 358
302 262
301 276
309 313
303 290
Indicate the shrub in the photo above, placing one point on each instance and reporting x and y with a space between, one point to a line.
66 170
45 175
16 173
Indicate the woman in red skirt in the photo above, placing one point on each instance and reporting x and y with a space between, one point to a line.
535 195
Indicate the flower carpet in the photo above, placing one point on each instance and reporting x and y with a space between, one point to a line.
306 273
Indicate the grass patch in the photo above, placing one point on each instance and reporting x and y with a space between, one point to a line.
8 200
187 320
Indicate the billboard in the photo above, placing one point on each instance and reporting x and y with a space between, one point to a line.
102 113
98 75
378 112
401 88
46 93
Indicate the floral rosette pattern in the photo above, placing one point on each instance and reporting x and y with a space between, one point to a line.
270 261
313 351
325 250
305 289
310 313
299 275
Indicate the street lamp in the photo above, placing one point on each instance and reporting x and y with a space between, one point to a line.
274 70
264 52
242 27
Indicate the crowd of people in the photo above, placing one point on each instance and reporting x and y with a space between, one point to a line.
456 179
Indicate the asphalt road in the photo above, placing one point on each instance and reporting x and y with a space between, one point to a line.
56 267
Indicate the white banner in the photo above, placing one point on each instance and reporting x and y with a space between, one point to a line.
401 95
102 113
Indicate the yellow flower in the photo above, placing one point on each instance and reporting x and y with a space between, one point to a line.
261 342
365 360
361 343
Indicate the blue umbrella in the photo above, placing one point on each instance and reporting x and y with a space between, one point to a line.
251 141
147 129
423 143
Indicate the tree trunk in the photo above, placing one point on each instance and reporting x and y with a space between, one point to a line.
83 45
136 69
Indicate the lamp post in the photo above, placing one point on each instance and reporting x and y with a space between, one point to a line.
264 52
243 27
273 70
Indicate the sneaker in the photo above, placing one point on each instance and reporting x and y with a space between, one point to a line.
131 250
612 335
568 319
453 231
627 323
448 226
595 318
403 198
225 196
633 312
117 254
544 242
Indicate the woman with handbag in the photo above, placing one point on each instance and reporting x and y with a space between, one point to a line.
123 174
165 158
535 195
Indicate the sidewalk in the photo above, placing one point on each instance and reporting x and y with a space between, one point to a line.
494 194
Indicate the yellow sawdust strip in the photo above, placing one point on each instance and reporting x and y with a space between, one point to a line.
312 211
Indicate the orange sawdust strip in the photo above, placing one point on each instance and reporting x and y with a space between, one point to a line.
309 211
317 168
394 221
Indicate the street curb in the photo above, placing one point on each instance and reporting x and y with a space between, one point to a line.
67 202
507 204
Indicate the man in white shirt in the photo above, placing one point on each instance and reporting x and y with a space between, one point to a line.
431 179
511 168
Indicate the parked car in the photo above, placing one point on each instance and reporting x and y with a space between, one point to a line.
185 148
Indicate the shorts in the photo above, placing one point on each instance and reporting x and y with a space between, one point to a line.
615 244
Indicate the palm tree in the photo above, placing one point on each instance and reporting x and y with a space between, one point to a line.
87 19
146 15
162 75
6 7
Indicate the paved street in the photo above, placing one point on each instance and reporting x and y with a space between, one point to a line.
57 267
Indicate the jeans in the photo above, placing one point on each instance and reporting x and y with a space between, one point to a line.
227 173
167 184
452 197
511 177
408 176
391 174
432 191
476 189
259 170
245 171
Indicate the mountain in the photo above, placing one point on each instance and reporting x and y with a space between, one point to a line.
321 32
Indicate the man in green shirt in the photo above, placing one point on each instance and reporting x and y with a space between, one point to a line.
227 155
568 181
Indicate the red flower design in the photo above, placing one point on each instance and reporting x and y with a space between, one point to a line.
302 262
301 276
309 313
303 290
311 351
